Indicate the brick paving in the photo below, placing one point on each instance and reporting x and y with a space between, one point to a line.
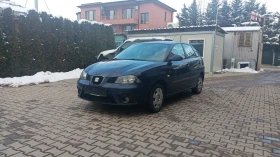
233 116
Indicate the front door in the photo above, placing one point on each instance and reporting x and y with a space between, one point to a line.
179 71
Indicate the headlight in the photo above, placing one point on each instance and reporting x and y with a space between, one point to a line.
130 79
83 75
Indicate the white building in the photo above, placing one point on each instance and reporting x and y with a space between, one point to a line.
17 9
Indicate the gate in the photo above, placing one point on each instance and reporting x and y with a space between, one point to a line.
271 55
277 59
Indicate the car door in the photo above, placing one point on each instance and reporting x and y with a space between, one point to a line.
194 62
179 70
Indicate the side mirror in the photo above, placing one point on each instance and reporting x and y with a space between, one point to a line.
176 58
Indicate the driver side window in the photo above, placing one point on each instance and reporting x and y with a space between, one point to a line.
177 50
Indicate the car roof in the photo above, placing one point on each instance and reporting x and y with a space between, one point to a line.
149 38
165 42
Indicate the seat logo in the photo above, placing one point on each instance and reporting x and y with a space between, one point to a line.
96 79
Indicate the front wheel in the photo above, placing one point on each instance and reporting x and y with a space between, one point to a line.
199 85
156 98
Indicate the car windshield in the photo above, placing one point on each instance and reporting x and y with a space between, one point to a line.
145 52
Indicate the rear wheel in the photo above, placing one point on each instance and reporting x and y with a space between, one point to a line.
199 85
156 98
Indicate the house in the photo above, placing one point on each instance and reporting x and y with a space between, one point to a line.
243 47
17 9
128 15
207 40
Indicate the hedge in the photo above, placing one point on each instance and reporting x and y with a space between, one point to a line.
41 42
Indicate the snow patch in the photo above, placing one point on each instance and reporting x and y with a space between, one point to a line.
4 4
243 70
92 22
40 77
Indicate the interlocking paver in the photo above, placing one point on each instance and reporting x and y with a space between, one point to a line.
143 150
99 151
128 152
83 153
55 151
38 153
66 154
229 118
71 149
10 151
26 149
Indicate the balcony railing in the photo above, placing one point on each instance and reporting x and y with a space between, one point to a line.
118 19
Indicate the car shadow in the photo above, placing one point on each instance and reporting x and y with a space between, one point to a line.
134 109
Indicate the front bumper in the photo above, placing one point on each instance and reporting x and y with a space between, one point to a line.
113 94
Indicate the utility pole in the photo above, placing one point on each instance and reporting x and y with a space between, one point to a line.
36 5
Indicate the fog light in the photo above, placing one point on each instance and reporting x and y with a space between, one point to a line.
125 99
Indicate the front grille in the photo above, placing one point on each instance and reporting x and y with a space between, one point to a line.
97 80
112 80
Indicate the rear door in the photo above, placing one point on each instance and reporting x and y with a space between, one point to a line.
194 63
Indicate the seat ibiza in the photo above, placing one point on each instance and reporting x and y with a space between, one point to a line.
144 73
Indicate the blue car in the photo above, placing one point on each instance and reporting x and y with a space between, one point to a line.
144 73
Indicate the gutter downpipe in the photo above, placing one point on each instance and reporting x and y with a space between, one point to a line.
212 52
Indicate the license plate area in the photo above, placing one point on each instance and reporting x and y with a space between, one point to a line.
97 92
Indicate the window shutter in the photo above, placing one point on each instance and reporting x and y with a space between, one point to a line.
241 39
248 39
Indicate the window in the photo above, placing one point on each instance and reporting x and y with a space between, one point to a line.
127 28
78 16
144 18
164 16
189 51
111 14
245 39
177 50
128 13
90 15
198 46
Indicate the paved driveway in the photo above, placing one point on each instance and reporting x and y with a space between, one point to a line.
234 116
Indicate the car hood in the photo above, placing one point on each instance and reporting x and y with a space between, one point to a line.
117 68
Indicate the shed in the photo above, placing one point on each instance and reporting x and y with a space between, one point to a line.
243 47
207 40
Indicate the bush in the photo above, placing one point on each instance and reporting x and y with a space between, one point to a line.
40 42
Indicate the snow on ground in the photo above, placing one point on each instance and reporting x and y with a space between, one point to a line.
243 70
40 77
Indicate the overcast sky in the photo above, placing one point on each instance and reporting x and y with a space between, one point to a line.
68 8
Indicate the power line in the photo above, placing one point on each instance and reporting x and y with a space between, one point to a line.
47 6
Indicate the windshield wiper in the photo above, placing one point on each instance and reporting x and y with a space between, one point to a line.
135 59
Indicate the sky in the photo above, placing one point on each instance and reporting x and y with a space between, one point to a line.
68 8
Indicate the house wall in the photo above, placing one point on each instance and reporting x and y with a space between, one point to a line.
242 54
186 36
156 16
233 51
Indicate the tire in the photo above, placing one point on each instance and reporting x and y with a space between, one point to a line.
199 85
156 98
